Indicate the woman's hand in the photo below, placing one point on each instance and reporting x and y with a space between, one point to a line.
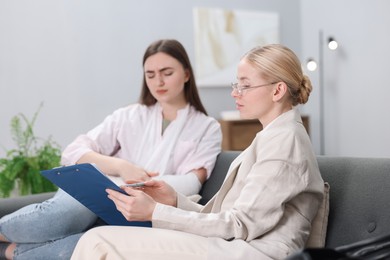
161 192
201 173
128 171
116 167
139 206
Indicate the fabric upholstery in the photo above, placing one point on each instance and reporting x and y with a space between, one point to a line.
358 196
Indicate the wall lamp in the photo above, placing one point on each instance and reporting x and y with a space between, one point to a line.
312 65
332 44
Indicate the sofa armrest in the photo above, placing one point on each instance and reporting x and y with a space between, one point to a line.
9 205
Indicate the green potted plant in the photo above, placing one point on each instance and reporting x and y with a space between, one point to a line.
21 167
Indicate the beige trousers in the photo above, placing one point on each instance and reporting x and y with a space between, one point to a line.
118 242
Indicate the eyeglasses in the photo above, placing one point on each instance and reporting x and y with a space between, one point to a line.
240 89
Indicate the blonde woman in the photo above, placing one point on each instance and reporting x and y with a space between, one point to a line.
268 200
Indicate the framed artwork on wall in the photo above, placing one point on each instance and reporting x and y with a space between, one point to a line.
222 36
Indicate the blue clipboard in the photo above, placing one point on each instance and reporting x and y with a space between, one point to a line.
87 184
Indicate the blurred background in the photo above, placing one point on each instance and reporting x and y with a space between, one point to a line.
83 60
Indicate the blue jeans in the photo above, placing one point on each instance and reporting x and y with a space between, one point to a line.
51 229
48 230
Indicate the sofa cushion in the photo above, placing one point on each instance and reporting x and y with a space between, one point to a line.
12 204
320 223
359 198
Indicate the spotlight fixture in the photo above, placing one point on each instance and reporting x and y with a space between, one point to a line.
311 64
332 44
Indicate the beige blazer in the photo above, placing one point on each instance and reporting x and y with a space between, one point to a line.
266 204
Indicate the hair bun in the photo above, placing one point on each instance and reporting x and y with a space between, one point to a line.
305 90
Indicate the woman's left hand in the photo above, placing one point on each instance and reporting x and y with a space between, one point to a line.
137 207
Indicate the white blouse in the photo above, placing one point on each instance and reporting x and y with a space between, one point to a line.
191 141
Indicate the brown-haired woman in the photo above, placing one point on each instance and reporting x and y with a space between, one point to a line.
166 136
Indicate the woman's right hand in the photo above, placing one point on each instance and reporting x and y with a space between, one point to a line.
131 172
161 192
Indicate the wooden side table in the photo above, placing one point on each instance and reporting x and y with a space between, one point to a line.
238 134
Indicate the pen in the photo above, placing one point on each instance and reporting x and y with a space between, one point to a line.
135 185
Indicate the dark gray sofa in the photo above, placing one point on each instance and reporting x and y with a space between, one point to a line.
359 196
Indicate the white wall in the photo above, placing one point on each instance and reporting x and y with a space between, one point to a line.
356 79
83 58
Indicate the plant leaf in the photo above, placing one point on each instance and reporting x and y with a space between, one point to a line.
23 164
